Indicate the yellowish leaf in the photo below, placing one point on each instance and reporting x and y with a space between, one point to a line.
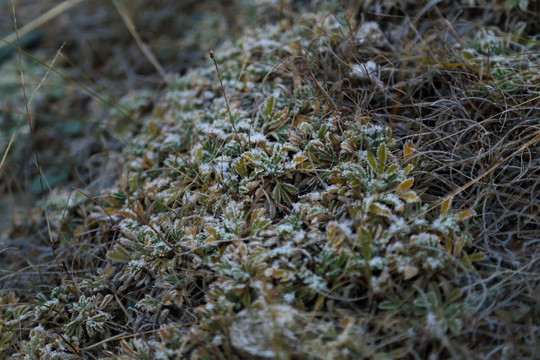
283 275
380 209
110 211
331 230
148 158
445 206
79 230
408 169
154 129
409 197
137 208
465 214
405 185
408 149
256 214
477 256
320 301
299 159
130 215
392 169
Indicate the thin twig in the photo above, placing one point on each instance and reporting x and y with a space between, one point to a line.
211 53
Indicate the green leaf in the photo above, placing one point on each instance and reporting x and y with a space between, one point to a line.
267 107
372 162
276 193
454 325
387 305
366 240
453 295
291 189
381 154
323 130
392 169
119 254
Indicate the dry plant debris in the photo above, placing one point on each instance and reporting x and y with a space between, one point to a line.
361 182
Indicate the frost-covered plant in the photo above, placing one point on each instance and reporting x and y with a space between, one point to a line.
287 227
292 207
507 58
88 317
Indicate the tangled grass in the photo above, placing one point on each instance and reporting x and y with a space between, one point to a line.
339 182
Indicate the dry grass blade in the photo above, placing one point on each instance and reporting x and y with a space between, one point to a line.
535 140
46 17
144 48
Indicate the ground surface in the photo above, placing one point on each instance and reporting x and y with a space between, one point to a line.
338 181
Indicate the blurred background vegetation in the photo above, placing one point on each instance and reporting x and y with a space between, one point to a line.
98 62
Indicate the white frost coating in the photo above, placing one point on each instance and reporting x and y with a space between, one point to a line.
298 206
190 197
397 246
255 137
207 128
394 200
252 333
205 169
136 264
172 139
312 196
373 129
259 285
377 263
365 71
287 250
368 32
378 281
316 283
268 272
222 163
433 263
425 239
299 236
346 227
444 224
208 95
282 229
289 298
209 219
420 222
243 124
431 320
398 226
